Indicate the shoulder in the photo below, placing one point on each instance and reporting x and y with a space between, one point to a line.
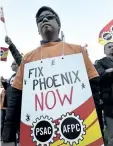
76 48
101 60
30 55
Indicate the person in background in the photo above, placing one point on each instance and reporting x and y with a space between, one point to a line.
49 25
17 60
102 123
7 83
96 62
2 109
104 67
6 91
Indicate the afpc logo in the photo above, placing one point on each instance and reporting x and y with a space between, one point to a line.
71 129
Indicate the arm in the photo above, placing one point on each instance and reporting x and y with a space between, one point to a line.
14 51
104 75
4 83
100 68
93 79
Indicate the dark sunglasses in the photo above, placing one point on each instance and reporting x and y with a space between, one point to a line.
49 17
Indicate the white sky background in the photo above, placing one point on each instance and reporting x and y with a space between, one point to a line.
81 22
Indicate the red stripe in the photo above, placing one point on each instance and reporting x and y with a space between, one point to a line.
25 138
3 48
85 109
3 59
98 142
106 28
81 110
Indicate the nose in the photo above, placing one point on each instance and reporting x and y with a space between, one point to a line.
45 20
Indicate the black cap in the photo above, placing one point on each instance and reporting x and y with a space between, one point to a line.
44 8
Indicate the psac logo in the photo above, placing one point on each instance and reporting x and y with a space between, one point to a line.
43 131
70 128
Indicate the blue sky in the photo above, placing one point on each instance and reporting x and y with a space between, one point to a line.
81 21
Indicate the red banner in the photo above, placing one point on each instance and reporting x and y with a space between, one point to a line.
106 34
3 53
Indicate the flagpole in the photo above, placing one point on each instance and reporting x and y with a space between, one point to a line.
5 28
5 23
4 20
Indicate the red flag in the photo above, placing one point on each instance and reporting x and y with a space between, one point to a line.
2 14
3 53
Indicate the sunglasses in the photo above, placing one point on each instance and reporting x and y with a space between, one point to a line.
49 17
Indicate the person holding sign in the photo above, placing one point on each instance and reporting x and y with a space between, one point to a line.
49 25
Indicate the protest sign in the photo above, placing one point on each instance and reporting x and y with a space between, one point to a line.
57 104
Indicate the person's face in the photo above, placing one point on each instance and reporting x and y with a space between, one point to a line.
47 23
109 49
14 66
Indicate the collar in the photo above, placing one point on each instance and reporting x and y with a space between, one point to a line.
44 41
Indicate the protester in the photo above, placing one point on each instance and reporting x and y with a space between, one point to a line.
96 62
49 25
6 92
7 84
101 117
104 67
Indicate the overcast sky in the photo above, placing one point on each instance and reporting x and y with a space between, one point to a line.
81 20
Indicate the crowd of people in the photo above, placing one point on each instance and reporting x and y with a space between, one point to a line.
100 77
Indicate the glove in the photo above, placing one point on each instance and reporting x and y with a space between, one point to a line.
8 40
